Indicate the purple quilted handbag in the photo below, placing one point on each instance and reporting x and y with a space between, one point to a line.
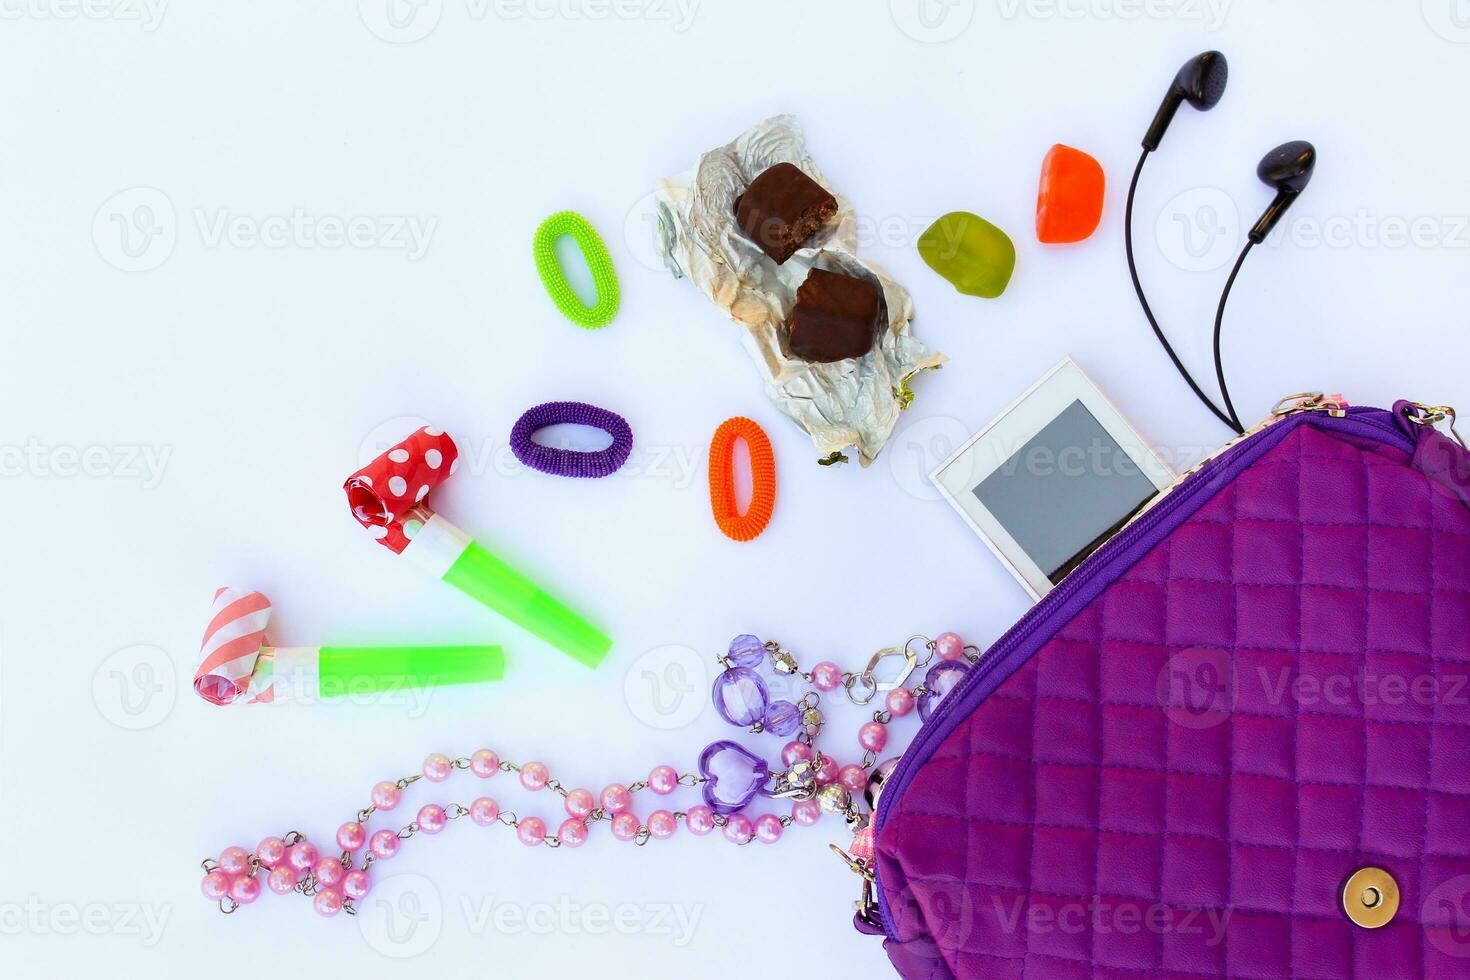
1235 742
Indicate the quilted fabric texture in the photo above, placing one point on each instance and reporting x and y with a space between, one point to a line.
1180 781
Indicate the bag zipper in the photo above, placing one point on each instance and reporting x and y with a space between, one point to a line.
1178 494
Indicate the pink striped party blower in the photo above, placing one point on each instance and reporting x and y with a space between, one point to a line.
239 666
387 497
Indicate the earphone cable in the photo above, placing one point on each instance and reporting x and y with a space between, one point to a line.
1219 319
1153 322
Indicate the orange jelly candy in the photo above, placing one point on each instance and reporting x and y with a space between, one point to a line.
1070 201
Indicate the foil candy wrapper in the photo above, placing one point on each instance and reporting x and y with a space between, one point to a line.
851 403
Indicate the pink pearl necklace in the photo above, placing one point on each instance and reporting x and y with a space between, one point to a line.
815 783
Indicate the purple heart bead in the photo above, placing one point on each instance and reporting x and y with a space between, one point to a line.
940 680
732 776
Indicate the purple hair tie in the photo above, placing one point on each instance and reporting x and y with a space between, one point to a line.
571 462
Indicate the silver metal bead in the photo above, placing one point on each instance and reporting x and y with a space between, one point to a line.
877 780
834 798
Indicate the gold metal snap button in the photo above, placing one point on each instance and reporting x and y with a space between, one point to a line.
1371 897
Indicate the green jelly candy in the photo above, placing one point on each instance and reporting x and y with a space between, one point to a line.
974 255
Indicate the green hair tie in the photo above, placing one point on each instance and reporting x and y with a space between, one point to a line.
594 252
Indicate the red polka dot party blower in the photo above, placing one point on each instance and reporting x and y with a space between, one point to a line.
388 497
239 666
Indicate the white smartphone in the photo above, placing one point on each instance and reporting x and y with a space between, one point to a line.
1052 478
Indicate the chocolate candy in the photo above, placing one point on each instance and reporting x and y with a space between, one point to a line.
781 208
835 317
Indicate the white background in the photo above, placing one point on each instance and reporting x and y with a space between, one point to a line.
253 375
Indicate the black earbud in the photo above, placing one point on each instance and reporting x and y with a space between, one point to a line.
1200 82
1288 169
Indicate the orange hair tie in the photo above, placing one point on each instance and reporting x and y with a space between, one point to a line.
736 526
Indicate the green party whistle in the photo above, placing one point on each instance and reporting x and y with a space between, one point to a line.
238 665
388 498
